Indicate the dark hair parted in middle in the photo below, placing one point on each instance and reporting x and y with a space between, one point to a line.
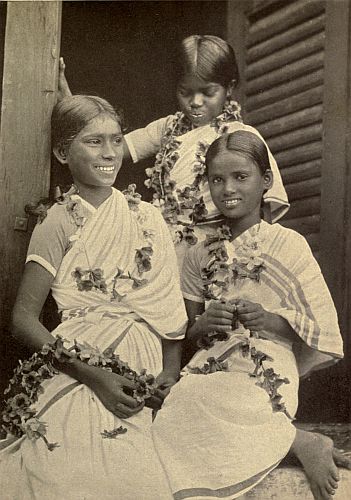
71 114
210 58
243 142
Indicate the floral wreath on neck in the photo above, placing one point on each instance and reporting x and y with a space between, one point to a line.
218 275
167 197
89 279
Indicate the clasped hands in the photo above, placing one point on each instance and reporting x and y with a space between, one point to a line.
220 316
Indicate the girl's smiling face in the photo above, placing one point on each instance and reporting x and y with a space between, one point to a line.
95 155
237 186
201 101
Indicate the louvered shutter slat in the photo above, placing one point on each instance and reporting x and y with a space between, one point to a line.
284 87
286 55
300 190
298 137
306 206
292 121
299 154
277 93
285 39
304 225
286 73
301 172
283 19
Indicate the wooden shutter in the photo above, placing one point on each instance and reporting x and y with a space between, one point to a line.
284 77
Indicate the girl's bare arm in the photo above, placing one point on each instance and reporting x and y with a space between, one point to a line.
32 293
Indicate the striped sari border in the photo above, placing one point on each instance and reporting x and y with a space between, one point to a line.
301 322
226 491
309 328
291 278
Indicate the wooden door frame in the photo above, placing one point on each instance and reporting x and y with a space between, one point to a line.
31 55
335 234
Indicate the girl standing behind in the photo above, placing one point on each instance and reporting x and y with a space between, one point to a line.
208 74
112 271
228 422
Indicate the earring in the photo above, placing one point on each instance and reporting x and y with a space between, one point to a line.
63 156
62 152
227 102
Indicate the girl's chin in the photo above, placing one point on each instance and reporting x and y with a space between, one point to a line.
108 180
198 122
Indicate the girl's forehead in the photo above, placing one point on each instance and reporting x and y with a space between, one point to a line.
231 161
102 124
192 81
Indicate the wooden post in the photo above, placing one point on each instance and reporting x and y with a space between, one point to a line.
335 193
32 42
236 35
347 224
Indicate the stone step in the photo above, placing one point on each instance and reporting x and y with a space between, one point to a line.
289 482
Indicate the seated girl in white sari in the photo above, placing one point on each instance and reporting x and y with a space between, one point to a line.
110 264
228 422
208 74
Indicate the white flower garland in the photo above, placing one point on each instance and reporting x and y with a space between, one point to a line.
217 276
167 197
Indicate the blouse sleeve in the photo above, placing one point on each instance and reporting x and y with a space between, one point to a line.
191 280
145 142
49 240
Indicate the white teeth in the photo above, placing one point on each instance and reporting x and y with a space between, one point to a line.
231 203
105 169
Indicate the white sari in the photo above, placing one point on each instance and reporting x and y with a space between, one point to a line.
86 466
217 434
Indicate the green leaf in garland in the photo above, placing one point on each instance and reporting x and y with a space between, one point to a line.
143 259
114 433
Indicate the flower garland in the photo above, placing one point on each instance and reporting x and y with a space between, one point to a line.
40 209
217 276
167 197
20 418
93 279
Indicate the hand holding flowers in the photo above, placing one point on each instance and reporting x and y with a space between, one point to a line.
218 317
251 315
114 391
122 391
